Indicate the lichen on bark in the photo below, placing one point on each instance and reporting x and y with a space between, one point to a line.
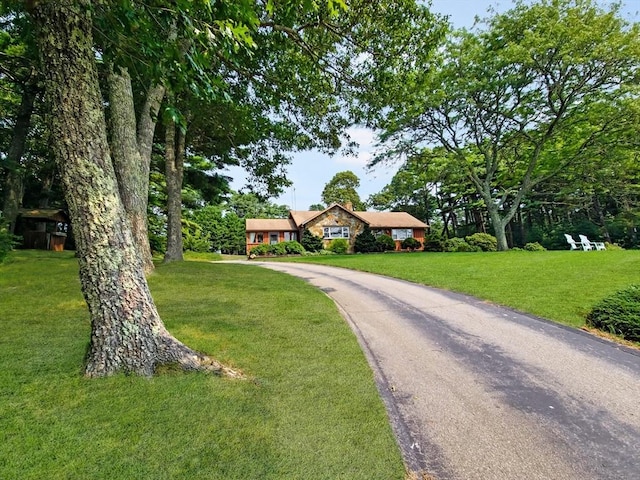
127 334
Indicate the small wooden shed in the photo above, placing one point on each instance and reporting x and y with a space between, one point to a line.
43 229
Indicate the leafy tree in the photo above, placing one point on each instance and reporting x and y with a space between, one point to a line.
342 189
315 47
249 205
316 207
501 100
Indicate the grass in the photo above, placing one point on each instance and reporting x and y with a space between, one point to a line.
311 409
557 285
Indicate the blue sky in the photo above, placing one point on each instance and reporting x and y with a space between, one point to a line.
310 171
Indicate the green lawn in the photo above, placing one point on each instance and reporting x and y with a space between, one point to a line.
558 285
310 410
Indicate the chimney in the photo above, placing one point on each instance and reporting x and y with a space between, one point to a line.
348 206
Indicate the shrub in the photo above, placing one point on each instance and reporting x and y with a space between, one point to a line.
339 246
384 243
618 314
311 242
411 244
456 244
277 249
433 243
485 242
293 247
261 249
7 241
534 247
612 246
365 241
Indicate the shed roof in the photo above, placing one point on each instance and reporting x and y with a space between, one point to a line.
54 214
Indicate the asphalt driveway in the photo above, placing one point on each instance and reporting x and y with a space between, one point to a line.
474 391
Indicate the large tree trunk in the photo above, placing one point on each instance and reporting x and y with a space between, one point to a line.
127 333
499 224
131 171
174 162
14 185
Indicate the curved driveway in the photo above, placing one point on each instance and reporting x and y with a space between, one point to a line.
474 391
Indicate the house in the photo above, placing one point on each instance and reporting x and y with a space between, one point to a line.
43 228
335 221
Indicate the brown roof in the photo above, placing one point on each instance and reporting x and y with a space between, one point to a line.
300 217
391 220
270 224
45 213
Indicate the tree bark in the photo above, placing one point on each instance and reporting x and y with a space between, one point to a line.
174 162
127 334
130 168
14 185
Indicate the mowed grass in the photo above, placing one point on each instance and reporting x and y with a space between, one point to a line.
309 411
558 285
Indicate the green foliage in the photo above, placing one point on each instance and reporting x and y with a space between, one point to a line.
193 237
433 243
292 247
311 242
456 244
384 243
534 247
277 249
551 103
259 250
365 241
338 246
7 241
618 314
342 188
411 244
484 241
612 246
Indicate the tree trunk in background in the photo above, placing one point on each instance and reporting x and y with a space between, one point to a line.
14 185
174 162
133 177
127 333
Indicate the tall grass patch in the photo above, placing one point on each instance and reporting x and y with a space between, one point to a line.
309 410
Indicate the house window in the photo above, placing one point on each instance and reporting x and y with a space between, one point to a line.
401 233
256 237
290 236
336 232
273 238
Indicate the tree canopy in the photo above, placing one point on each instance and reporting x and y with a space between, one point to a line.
513 103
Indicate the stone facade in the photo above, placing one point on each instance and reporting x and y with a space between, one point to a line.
337 217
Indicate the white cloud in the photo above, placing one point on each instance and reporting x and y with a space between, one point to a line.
363 136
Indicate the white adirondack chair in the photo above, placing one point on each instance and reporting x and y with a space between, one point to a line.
573 245
585 241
